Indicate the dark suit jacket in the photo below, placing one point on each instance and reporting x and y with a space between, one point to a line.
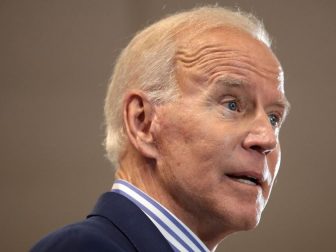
116 224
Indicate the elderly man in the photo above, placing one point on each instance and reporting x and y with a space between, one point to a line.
193 114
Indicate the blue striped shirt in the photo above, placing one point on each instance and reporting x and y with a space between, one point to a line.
179 236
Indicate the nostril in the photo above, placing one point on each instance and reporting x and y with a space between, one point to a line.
257 148
260 149
266 152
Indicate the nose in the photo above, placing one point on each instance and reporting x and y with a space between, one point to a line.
261 136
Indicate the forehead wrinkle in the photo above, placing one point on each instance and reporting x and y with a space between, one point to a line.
211 58
212 73
189 57
239 62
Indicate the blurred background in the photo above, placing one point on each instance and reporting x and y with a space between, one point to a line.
55 60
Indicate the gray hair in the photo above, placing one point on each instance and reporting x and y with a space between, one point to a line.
147 63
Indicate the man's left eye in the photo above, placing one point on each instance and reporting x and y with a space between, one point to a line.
274 120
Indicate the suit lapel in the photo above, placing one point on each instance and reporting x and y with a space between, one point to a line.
132 222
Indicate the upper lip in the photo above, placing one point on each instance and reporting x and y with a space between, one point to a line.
256 177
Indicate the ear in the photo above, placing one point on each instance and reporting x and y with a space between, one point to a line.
138 114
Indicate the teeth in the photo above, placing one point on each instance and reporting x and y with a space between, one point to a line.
246 181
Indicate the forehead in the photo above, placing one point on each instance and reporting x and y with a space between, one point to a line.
225 37
226 52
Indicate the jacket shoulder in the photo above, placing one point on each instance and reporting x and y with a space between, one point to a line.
94 234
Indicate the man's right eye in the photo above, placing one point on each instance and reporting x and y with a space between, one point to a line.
232 105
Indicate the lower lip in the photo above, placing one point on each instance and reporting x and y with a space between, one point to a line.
237 182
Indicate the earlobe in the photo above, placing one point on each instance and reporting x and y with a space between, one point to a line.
138 119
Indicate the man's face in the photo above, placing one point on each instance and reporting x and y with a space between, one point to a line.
218 143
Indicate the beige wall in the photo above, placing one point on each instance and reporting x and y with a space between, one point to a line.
55 60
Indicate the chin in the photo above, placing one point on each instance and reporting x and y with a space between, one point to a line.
244 224
251 223
246 219
250 215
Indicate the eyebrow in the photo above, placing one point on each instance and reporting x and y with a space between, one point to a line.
235 82
231 82
284 103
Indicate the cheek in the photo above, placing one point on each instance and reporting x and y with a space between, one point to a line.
178 141
182 141
195 145
197 149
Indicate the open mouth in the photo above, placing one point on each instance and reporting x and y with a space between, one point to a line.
249 180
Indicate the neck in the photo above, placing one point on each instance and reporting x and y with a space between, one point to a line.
143 174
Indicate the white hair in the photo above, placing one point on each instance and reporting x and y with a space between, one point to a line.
147 63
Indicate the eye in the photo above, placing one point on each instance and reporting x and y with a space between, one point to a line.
232 105
274 120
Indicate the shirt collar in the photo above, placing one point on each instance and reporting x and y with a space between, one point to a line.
179 236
